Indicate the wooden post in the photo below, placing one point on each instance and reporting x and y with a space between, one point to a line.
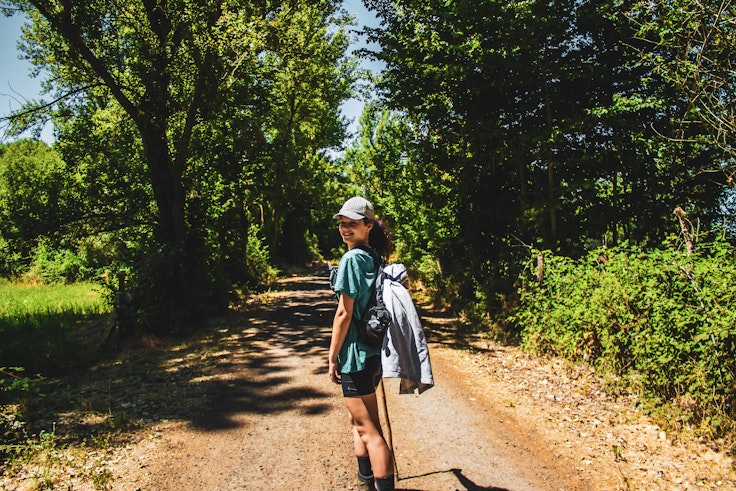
540 268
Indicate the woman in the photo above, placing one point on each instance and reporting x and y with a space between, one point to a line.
354 365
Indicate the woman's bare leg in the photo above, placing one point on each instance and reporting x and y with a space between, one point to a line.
367 433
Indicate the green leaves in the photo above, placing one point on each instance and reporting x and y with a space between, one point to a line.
691 46
664 320
36 195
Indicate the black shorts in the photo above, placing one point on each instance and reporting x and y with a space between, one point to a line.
364 382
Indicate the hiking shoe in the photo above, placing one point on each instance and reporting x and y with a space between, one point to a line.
365 483
365 486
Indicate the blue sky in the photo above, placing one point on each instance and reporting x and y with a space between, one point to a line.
17 85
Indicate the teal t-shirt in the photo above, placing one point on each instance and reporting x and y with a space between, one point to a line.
355 276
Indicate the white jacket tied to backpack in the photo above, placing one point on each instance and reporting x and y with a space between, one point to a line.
405 354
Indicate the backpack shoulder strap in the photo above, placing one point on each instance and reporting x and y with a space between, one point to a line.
376 297
376 258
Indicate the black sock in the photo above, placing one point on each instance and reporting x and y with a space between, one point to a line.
365 473
385 483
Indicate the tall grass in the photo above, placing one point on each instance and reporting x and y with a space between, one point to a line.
48 327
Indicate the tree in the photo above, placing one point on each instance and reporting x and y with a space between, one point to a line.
177 94
34 199
540 127
308 77
692 46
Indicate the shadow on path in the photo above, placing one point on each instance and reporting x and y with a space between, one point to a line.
467 483
470 485
239 364
444 328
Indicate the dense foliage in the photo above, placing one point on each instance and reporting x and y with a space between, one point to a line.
33 200
180 125
530 123
663 321
691 44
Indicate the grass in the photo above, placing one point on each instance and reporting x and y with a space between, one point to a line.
22 299
48 330
45 328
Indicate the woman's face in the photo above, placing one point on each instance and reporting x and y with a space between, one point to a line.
354 232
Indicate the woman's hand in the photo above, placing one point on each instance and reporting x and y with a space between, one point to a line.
334 372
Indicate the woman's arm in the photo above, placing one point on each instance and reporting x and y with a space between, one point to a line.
340 326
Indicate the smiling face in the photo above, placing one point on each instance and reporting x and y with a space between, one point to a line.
354 232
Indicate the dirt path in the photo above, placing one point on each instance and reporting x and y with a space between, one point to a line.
250 407
276 422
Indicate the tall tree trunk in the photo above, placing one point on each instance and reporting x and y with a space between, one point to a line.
552 201
168 190
523 186
173 290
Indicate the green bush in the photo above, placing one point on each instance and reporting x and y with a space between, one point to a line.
663 321
258 258
11 262
50 265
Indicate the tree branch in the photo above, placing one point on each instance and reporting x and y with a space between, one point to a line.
63 23
47 105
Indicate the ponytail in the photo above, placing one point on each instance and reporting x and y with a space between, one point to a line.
380 239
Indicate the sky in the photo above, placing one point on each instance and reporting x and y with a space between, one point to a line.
17 85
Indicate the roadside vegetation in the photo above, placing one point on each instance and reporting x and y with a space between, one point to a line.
658 323
46 329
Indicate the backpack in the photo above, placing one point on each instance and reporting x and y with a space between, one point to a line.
391 323
374 324
375 321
